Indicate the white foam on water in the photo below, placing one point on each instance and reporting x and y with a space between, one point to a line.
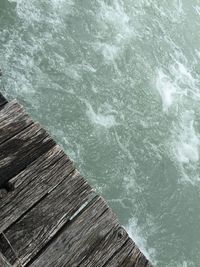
174 10
179 6
182 74
185 147
113 20
64 7
100 118
116 16
183 264
72 73
109 51
59 3
30 11
27 10
75 71
178 13
178 86
86 67
24 50
124 147
197 9
188 88
187 140
178 90
166 89
137 234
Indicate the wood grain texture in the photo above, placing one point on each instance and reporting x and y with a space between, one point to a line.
82 238
32 184
38 226
129 255
13 120
22 149
109 246
93 239
5 245
4 262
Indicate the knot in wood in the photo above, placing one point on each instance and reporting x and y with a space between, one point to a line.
120 233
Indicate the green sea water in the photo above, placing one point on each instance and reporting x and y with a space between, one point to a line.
117 83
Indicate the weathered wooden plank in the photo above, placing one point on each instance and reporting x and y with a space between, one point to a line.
80 239
122 257
109 246
141 260
129 255
13 119
37 227
32 184
22 149
4 243
3 101
93 239
4 262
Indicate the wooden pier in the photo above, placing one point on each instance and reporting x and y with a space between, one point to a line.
49 214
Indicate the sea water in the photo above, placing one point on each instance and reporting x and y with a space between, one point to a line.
117 83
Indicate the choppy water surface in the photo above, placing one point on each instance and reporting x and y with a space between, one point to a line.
118 85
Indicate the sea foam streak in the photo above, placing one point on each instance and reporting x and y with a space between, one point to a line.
187 142
166 89
115 24
106 120
175 86
178 88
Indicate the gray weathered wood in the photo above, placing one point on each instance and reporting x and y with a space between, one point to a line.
32 184
13 120
38 226
82 238
22 149
4 262
129 255
141 261
93 239
5 244
109 246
